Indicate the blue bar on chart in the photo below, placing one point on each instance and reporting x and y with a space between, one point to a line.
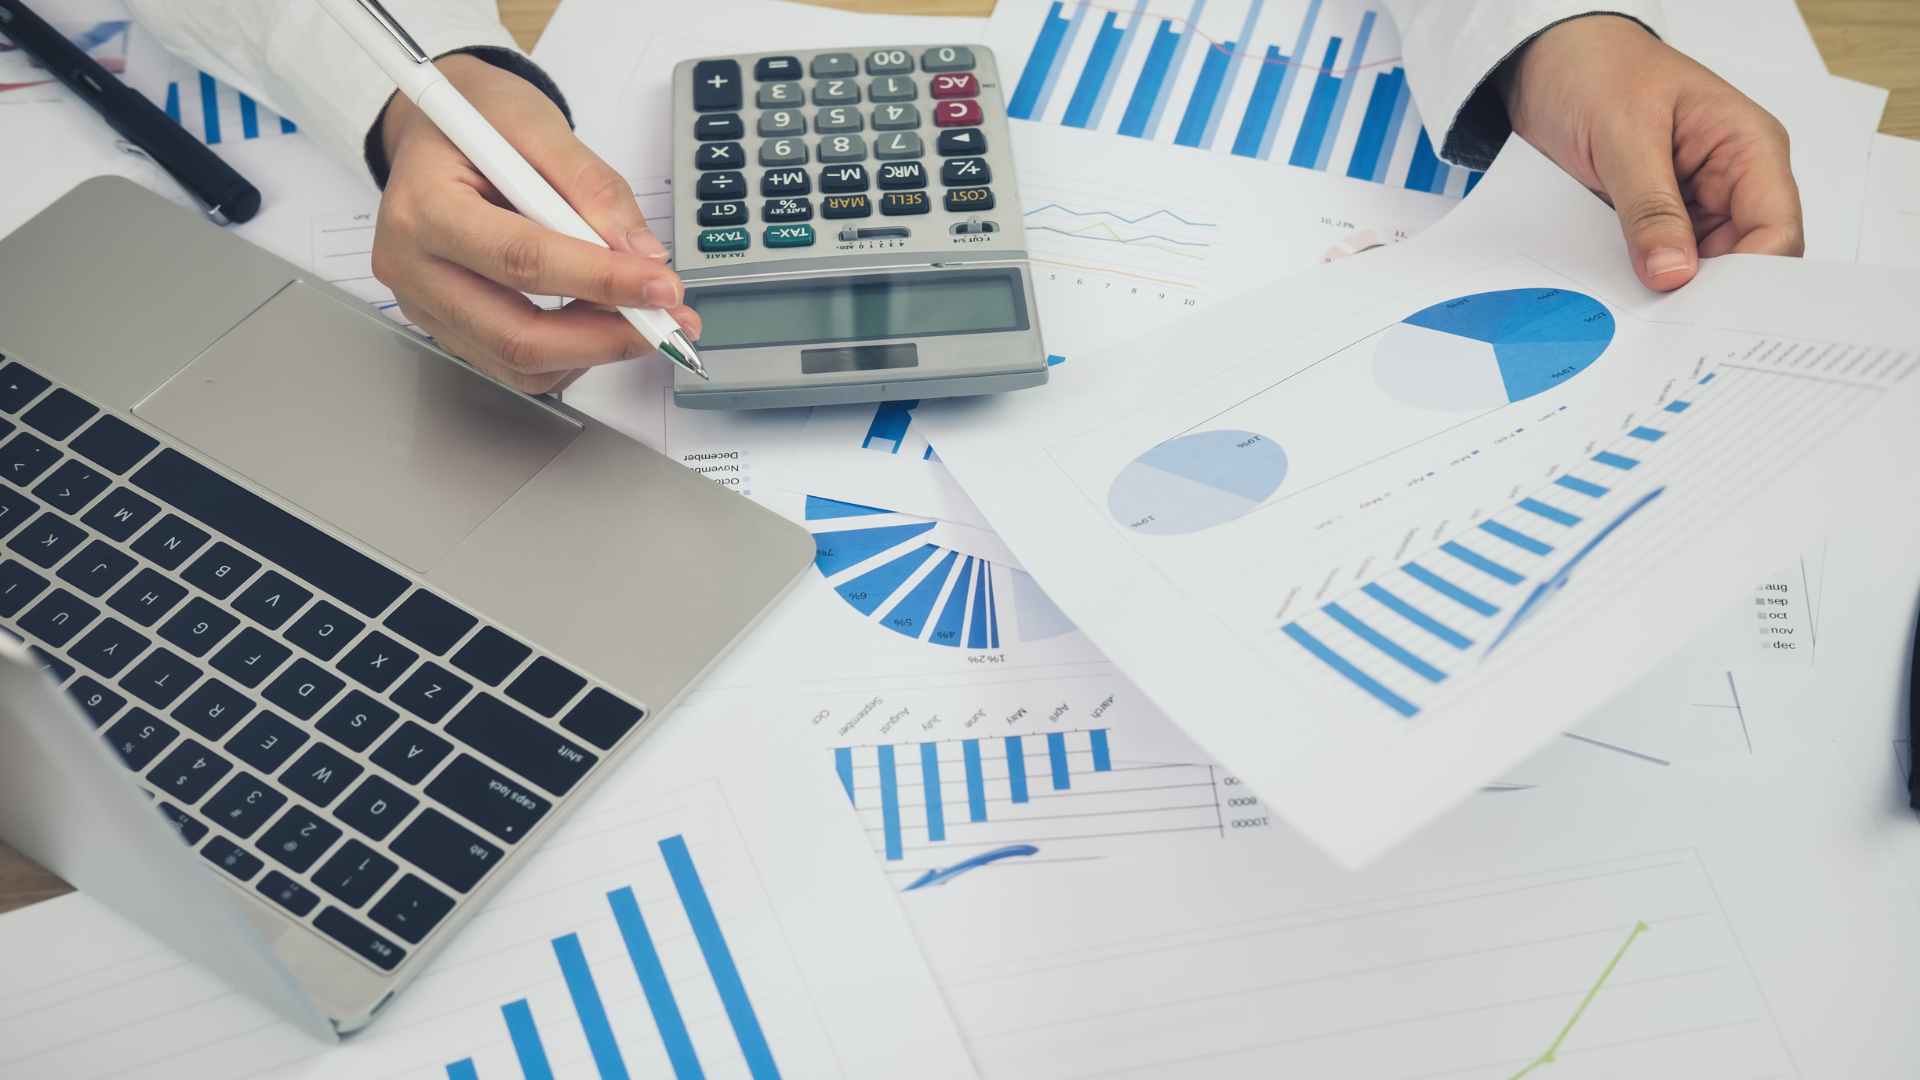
1647 434
1206 91
1295 59
890 422
1238 48
720 964
1380 126
1016 769
1584 487
1427 173
1449 590
1516 538
1365 632
1041 63
1678 406
592 1011
1551 513
1266 95
930 787
654 984
843 764
1392 602
1180 48
1313 129
526 1040
1345 94
1093 77
210 108
249 118
1102 761
1482 563
462 1070
1616 461
1348 670
976 781
1153 76
889 803
1057 759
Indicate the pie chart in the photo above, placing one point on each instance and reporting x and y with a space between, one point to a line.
1196 482
1480 352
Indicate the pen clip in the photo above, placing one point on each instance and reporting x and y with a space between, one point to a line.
392 26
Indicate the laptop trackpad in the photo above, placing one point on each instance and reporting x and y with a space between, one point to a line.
358 425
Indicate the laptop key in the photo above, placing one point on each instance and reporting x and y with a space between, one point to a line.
48 539
57 617
109 647
191 830
230 857
545 686
24 458
497 803
147 597
266 742
377 660
119 515
323 630
19 385
71 487
448 851
356 720
288 893
321 774
376 808
411 753
198 627
97 568
250 657
98 702
170 542
602 719
139 736
363 942
220 570
411 909
430 692
15 509
188 772
59 414
430 622
113 444
302 689
490 656
272 600
298 839
160 678
18 585
243 805
354 873
521 743
213 709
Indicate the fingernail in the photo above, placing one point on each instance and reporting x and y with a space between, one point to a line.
662 292
642 242
1664 261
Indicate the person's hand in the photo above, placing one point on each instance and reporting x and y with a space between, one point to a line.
1693 167
459 261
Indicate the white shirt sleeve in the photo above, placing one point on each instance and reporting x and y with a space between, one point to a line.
292 57
1452 47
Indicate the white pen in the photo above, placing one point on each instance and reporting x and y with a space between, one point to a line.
390 46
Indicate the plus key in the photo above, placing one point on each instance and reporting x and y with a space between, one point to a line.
716 85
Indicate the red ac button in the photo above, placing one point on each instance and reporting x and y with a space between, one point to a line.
955 86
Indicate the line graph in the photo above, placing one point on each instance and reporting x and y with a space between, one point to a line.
1133 240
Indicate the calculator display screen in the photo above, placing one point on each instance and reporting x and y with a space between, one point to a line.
866 307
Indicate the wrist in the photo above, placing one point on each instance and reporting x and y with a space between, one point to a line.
1526 76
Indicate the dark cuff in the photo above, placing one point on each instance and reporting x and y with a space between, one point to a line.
1482 126
505 60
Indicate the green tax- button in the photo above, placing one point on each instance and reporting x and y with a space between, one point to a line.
784 236
723 240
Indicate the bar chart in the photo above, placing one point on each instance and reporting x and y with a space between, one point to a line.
216 112
1316 84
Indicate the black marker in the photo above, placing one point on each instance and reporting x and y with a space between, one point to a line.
225 193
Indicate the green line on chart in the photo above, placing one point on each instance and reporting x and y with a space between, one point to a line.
1547 1057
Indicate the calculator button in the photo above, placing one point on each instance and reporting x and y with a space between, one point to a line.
787 210
716 85
948 114
776 68
836 120
896 145
954 86
781 122
962 200
895 203
788 236
778 95
723 240
833 65
779 152
845 206
892 88
723 213
947 58
719 155
780 182
970 170
889 62
895 118
721 185
962 142
902 175
835 92
836 149
719 126
842 179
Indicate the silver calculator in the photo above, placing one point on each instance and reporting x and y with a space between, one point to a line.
849 228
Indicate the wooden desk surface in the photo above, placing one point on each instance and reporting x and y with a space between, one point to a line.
1874 41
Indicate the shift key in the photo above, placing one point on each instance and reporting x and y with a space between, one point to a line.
488 798
521 743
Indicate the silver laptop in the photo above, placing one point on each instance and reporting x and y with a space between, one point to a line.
353 622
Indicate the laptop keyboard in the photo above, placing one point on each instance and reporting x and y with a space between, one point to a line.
354 748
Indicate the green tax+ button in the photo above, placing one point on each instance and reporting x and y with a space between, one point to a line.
723 240
786 236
